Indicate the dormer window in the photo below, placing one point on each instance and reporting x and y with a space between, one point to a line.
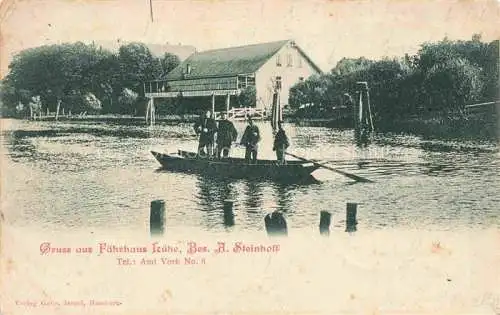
188 69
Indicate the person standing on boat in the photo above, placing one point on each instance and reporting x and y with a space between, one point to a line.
281 143
250 140
206 128
226 135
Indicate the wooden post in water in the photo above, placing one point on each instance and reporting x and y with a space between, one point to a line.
324 223
351 220
157 217
363 124
228 212
276 224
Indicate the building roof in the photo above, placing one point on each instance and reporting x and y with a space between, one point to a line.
228 61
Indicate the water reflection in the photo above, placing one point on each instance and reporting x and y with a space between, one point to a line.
212 192
253 196
283 197
55 167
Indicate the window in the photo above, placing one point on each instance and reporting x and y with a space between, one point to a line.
301 79
188 69
245 80
278 60
289 60
299 62
278 83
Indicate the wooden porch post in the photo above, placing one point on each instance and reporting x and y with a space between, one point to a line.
148 108
213 105
152 112
57 109
228 101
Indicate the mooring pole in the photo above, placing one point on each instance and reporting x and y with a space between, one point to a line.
276 224
372 127
157 217
324 223
351 220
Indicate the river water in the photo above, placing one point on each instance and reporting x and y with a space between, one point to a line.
90 175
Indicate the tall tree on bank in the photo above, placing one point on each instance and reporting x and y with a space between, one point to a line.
439 80
137 65
67 74
168 63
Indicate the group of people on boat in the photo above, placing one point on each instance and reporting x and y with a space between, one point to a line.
219 136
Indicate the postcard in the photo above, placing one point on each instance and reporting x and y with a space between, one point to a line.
249 157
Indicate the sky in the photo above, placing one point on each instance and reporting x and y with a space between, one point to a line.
326 30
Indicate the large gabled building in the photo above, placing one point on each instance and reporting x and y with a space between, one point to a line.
221 73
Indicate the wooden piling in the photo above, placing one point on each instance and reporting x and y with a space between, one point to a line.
324 223
351 220
276 224
157 217
228 212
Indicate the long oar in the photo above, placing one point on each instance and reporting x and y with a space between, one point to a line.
351 176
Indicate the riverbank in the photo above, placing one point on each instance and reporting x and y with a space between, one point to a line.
122 119
474 127
477 126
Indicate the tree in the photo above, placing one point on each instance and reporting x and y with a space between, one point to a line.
452 84
137 65
168 63
349 65
63 75
127 101
248 97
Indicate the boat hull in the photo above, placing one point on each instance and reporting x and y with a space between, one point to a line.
235 167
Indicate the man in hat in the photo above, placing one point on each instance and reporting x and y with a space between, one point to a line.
250 140
206 129
281 143
226 134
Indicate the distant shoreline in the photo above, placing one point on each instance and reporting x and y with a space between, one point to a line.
474 127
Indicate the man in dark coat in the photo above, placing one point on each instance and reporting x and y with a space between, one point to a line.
250 140
206 128
226 134
281 143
